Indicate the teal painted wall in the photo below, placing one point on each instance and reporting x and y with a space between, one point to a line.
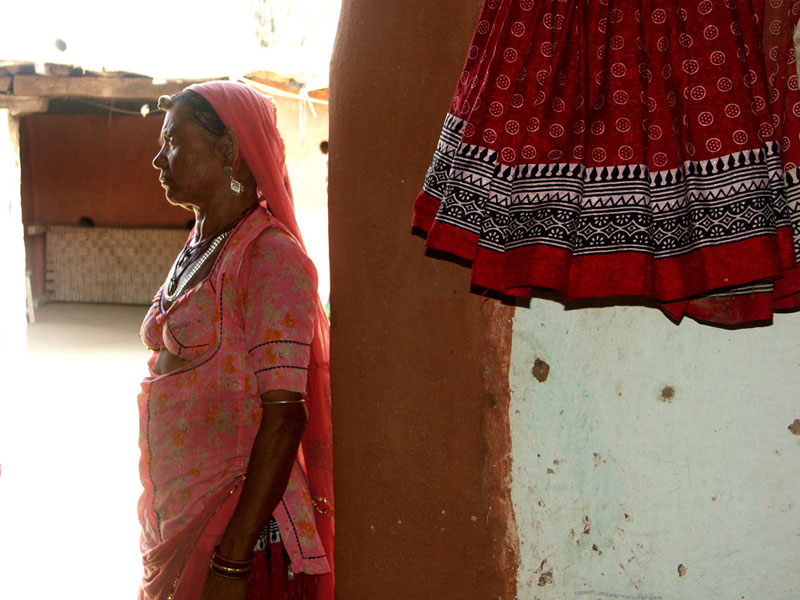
650 446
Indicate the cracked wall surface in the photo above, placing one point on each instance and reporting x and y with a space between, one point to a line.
654 460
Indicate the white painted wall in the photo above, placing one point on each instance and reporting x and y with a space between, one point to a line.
302 132
12 247
614 487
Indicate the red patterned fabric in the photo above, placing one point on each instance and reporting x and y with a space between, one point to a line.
270 578
626 148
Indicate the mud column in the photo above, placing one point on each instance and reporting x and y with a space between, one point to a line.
419 365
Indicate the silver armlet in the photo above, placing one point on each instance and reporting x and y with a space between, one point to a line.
283 402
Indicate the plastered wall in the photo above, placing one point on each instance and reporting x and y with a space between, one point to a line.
653 460
100 166
419 366
95 166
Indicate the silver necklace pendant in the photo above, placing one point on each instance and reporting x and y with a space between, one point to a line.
183 281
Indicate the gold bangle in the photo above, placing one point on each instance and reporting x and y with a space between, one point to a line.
226 576
231 570
238 573
223 561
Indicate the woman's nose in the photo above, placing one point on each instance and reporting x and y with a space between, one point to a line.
158 160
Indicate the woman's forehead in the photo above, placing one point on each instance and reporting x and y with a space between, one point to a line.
179 118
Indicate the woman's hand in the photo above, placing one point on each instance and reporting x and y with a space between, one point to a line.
224 588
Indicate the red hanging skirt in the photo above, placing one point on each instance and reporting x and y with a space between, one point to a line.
626 148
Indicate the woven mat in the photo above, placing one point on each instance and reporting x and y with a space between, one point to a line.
109 265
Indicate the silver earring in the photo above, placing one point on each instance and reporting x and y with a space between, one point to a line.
236 186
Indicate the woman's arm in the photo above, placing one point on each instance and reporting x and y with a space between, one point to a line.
278 302
283 420
271 461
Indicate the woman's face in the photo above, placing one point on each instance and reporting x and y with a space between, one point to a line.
191 169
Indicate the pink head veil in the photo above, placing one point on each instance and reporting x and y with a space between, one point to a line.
252 116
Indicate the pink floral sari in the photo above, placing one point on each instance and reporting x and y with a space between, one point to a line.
245 330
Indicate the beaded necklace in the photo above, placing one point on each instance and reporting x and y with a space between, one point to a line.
177 282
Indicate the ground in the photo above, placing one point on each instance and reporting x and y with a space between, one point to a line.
68 448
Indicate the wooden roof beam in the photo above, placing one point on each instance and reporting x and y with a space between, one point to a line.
128 88
23 105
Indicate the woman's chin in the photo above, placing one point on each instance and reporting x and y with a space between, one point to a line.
174 199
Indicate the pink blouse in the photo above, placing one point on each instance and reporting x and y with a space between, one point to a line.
245 330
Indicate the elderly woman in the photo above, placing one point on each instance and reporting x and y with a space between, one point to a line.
235 412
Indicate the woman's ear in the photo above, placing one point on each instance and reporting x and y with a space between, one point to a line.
229 146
